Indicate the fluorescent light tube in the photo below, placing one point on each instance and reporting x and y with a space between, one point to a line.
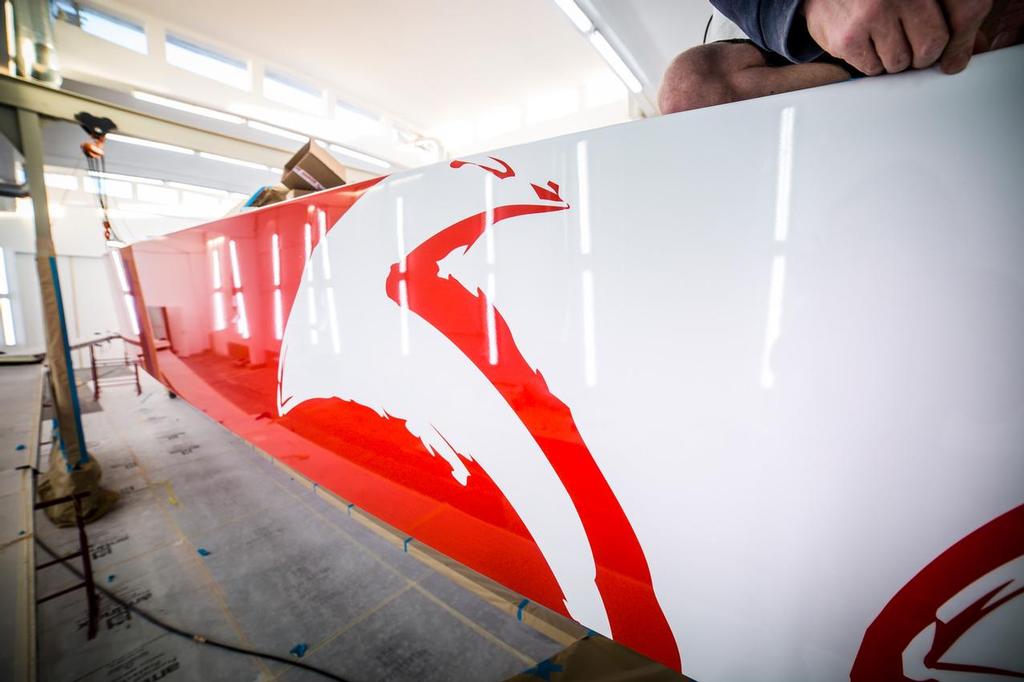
198 188
128 178
116 137
236 162
360 156
620 68
186 107
575 14
274 130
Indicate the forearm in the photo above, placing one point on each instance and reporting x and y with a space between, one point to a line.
775 25
725 72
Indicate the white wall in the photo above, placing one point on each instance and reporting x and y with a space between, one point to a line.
93 304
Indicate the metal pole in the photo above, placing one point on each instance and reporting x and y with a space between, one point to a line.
58 354
95 374
90 585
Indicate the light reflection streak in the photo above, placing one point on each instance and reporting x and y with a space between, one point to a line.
278 315
242 324
215 265
119 266
321 219
236 275
776 291
492 338
220 321
308 232
275 255
403 319
589 341
785 174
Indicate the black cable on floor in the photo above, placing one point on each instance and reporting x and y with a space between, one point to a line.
195 637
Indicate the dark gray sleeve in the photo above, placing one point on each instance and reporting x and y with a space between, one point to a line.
776 25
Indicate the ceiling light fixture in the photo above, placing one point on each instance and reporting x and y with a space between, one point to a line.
576 15
280 132
619 66
186 107
128 178
116 137
236 162
198 188
359 156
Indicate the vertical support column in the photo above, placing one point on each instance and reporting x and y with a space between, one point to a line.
58 354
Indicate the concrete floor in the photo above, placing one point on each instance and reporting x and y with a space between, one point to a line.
284 568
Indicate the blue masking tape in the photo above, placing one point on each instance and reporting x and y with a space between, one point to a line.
519 611
543 670
405 544
76 410
202 551
248 202
299 650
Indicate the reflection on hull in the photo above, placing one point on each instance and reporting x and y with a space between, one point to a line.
768 427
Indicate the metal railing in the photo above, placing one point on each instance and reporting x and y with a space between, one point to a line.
104 372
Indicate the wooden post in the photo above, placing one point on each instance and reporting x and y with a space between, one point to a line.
58 354
146 340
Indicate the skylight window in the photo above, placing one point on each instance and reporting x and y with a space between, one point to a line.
103 25
206 62
287 90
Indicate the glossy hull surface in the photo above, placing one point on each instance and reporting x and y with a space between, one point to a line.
742 387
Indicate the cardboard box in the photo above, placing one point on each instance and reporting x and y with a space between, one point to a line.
313 168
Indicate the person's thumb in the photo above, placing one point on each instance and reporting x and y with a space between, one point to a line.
965 19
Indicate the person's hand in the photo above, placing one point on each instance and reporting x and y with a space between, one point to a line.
1003 27
877 36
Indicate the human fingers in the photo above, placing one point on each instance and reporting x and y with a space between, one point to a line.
964 18
860 53
891 44
843 29
926 29
1004 25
